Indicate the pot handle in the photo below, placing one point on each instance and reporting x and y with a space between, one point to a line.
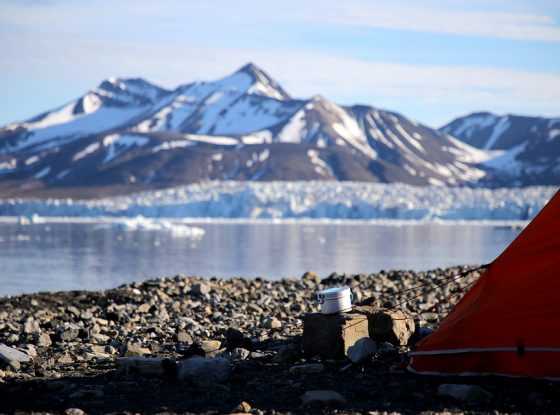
320 298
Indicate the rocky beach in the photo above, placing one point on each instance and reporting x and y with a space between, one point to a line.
186 344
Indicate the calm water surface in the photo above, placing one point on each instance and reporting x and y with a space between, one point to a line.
67 256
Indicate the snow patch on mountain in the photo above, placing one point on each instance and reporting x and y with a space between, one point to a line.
117 144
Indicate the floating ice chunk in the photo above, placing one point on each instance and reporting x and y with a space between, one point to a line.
140 223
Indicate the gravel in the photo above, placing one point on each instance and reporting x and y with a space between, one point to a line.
189 344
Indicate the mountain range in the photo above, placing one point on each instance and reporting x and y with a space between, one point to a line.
127 135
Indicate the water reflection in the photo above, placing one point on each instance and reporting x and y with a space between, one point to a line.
85 256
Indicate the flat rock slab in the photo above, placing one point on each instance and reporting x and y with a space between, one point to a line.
13 357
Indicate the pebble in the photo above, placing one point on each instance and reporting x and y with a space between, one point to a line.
210 346
136 349
272 323
200 289
68 333
184 337
361 350
243 407
44 340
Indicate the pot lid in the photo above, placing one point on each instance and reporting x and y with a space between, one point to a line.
335 292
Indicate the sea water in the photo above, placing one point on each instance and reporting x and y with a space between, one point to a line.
69 256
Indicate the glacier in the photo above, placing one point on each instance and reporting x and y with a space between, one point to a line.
315 200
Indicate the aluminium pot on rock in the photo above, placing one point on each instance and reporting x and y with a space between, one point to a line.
335 300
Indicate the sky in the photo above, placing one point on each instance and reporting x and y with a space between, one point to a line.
429 60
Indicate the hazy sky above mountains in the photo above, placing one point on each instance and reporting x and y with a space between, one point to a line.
430 60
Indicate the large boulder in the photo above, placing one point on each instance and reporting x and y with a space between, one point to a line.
392 326
330 336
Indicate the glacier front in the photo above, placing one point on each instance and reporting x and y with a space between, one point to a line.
302 200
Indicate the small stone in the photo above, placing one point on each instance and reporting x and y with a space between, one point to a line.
200 289
311 277
135 349
307 369
86 315
100 338
254 309
30 350
74 411
99 351
44 340
65 359
361 350
143 308
184 337
210 346
465 393
69 333
322 397
243 407
204 371
236 354
31 326
272 323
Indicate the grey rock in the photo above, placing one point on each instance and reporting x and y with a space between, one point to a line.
272 323
236 354
200 289
465 393
361 350
184 337
210 347
44 340
136 349
13 357
393 326
322 397
330 336
311 278
68 333
204 371
31 326
74 411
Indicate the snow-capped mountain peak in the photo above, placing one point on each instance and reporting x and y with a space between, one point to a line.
245 126
525 149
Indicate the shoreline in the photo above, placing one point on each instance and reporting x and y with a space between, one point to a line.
76 342
37 220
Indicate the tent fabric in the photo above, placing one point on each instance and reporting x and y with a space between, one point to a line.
508 323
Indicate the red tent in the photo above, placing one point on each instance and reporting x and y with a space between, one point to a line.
508 323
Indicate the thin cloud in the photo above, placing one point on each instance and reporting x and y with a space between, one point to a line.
445 20
303 73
